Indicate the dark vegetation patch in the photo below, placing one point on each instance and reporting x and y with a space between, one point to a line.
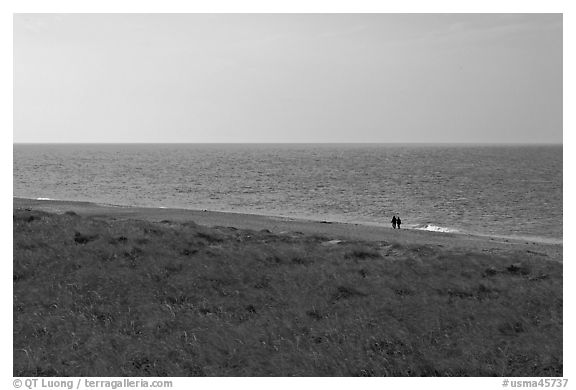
26 216
490 271
347 292
302 260
315 314
97 297
403 291
211 238
362 254
80 238
188 252
519 268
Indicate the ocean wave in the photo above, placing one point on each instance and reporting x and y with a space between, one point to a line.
44 199
435 228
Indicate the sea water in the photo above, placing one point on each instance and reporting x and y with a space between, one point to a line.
501 190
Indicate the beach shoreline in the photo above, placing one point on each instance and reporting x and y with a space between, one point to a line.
280 225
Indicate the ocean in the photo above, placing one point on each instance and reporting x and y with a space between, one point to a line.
503 190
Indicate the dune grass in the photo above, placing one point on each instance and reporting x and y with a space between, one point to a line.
104 297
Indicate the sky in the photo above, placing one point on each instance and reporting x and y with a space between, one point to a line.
494 78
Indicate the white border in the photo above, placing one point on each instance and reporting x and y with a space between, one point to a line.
300 6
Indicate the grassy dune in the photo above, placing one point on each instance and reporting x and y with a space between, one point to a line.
105 297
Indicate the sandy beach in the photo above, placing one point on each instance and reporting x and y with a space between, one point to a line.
332 230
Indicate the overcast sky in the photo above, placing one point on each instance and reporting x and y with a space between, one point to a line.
288 78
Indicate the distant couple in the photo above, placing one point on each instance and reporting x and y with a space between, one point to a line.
396 221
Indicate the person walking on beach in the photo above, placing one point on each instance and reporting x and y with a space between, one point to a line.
394 222
398 222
